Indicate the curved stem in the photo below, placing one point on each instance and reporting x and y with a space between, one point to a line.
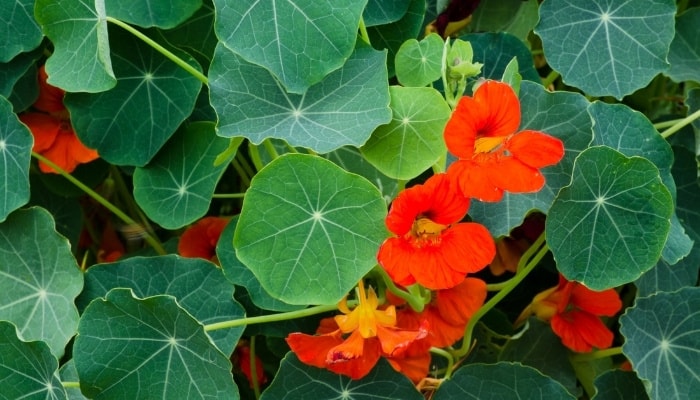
525 266
550 78
151 240
596 355
267 143
363 31
162 50
416 303
680 124
448 357
270 318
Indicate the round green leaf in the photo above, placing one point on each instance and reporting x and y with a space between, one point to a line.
239 274
632 134
341 110
501 381
517 17
128 348
684 56
198 285
28 368
175 188
662 342
40 279
412 141
78 30
560 114
309 230
380 12
419 63
129 124
298 41
351 159
668 278
14 71
15 152
496 50
148 13
607 47
610 224
617 384
381 383
18 28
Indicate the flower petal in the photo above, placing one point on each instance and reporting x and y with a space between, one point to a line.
355 357
44 128
200 239
605 303
50 97
511 175
474 180
458 304
395 256
468 247
581 332
396 341
536 149
313 350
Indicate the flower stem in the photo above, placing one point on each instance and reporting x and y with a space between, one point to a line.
151 240
680 124
271 317
550 78
253 369
70 385
448 357
416 303
270 149
228 195
162 50
527 263
596 355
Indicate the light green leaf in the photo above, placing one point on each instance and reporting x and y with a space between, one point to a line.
500 381
148 13
68 373
15 152
662 341
28 368
309 230
617 384
511 75
18 28
298 41
175 188
685 48
496 50
129 124
560 114
607 47
128 348
380 12
197 284
350 159
412 141
341 110
40 279
632 134
610 224
420 63
382 383
80 61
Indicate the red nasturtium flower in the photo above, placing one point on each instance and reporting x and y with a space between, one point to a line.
432 247
200 239
574 313
54 137
493 156
352 343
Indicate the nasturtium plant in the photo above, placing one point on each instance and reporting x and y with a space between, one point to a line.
352 199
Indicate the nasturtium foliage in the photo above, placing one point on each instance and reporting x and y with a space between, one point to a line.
199 286
684 54
419 63
308 229
68 373
412 141
381 383
632 134
20 31
176 187
298 41
610 224
495 51
343 109
560 114
40 279
81 59
662 341
607 47
128 347
27 367
668 278
148 13
351 159
14 70
148 85
502 380
15 148
381 12
617 384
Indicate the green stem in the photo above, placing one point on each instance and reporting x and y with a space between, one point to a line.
240 171
271 317
363 31
448 357
550 78
71 384
596 355
680 124
527 263
254 153
228 195
253 369
127 198
104 202
416 303
162 50
666 124
270 149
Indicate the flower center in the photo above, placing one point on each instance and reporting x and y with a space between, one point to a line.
488 144
425 229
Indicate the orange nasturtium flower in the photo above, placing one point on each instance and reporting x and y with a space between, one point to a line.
54 137
493 156
574 313
200 239
431 246
352 343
